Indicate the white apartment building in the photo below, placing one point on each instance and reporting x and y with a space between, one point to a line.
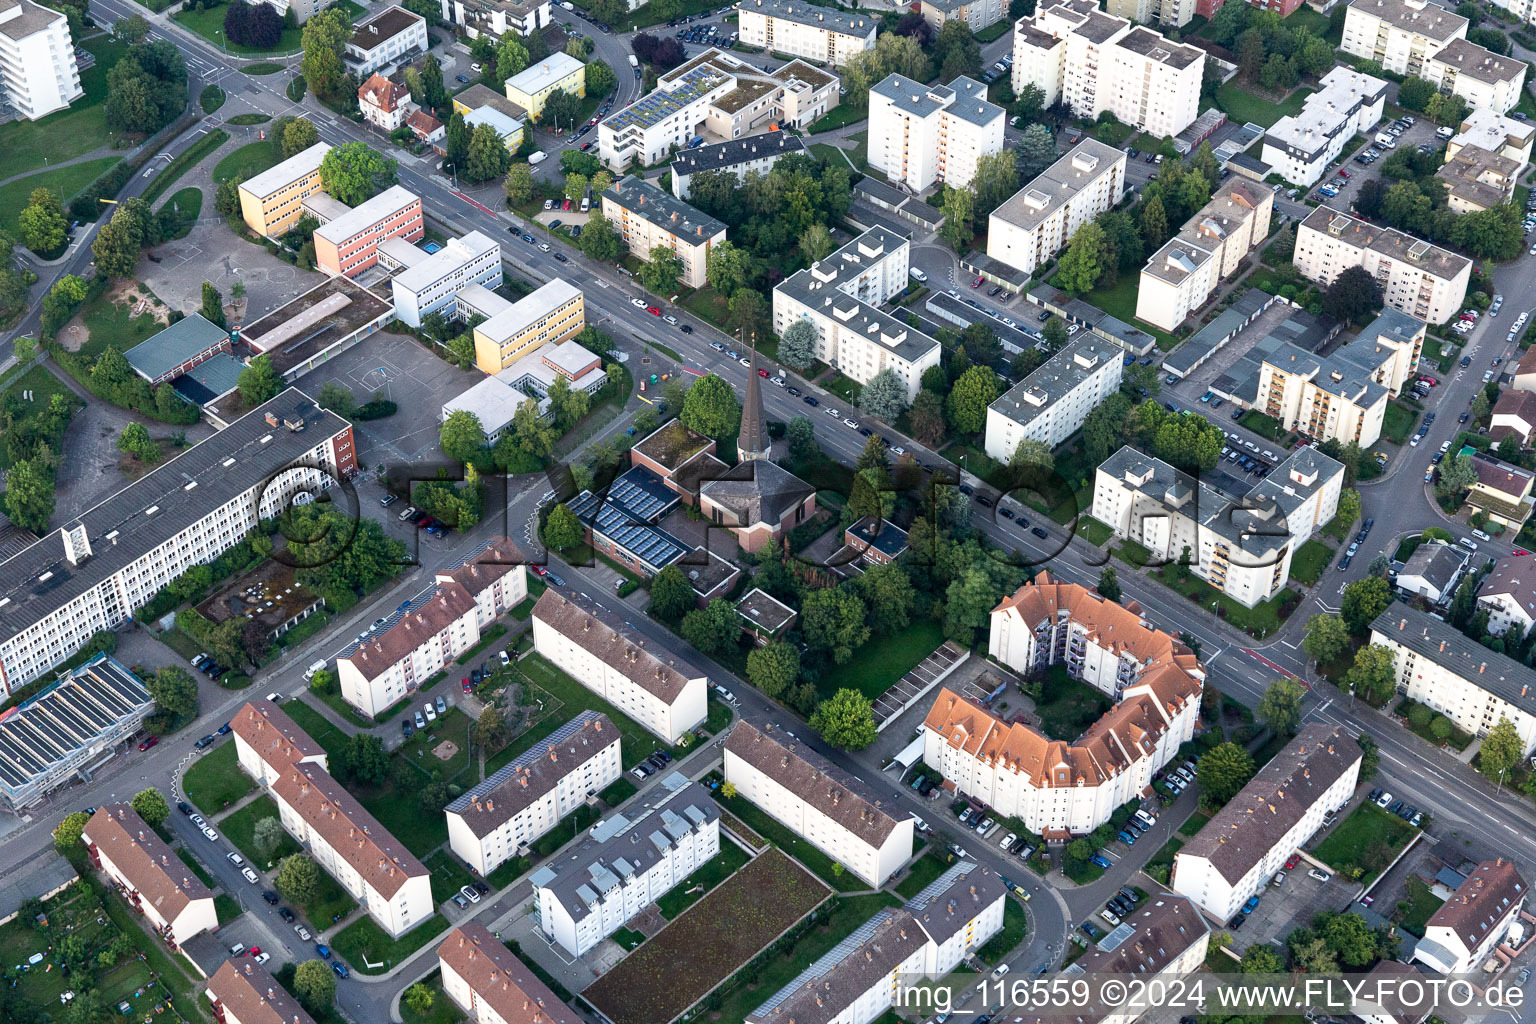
1039 219
1420 279
841 296
1094 62
1187 270
525 799
1496 134
625 866
819 802
1165 934
1172 13
1342 395
1242 546
1524 10
977 14
428 281
1486 80
268 742
1463 680
646 217
1051 403
826 35
1299 147
37 57
1461 935
241 991
739 157
496 576
1238 851
586 642
718 97
496 18
385 41
100 567
149 875
393 660
919 134
1061 789
491 985
1400 35
1509 594
302 10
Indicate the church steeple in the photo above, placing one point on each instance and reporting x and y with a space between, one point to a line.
752 439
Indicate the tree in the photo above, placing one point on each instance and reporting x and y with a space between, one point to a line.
727 268
337 398
487 157
600 79
968 399
461 436
773 669
1325 639
671 594
1036 151
1351 939
135 441
1373 676
884 396
173 690
711 408
797 345
434 94
490 727
298 879
816 243
42 223
116 249
456 136
714 628
560 108
1458 473
1225 769
213 302
257 26
996 178
511 56
926 417
354 172
1079 265
519 184
66 835
801 434
259 381
1349 506
600 240
151 806
1364 600
1109 585
1154 222
958 209
314 984
845 720
131 30
833 622
1030 456
1280 707
267 836
888 594
660 273
1501 749
324 36
562 530
366 761
1353 293
750 316
1055 333
419 998
28 497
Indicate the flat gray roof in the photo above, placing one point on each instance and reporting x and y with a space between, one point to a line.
803 12
663 209
1082 357
1058 183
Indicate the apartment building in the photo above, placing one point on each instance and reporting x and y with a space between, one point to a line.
976 14
739 157
818 801
428 283
1433 571
1468 683
272 202
1509 595
647 217
1477 179
1420 279
1400 35
491 985
302 10
826 35
1496 134
1463 932
1299 147
1281 808
385 41
1177 13
268 742
241 991
1094 62
349 244
588 643
1241 545
1342 395
383 104
1051 403
552 313
507 812
624 866
530 87
1486 80
496 18
97 569
148 874
715 95
841 296
1029 228
37 56
495 576
1502 490
1061 789
920 135
1181 276
1165 934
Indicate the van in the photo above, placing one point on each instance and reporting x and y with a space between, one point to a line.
586 203
309 673
1386 141
537 158
1480 535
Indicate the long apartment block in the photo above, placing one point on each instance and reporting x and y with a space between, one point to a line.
1299 147
272 202
551 314
1181 276
923 134
348 242
1425 40
491 985
97 569
148 873
826 35
1030 227
242 991
1051 403
647 218
1418 278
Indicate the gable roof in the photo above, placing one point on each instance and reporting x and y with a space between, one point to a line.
155 872
1480 904
253 996
185 339
500 979
599 633
480 571
277 739
447 603
351 831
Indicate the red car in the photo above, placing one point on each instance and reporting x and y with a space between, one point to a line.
541 570
566 205
762 373
976 283
586 146
465 683
1295 859
253 951
149 742
1344 174
653 311
1520 551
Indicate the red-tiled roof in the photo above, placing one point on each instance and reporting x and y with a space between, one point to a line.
501 979
250 995
448 603
351 831
142 858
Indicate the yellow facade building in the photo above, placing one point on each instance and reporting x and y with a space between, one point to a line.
272 202
532 86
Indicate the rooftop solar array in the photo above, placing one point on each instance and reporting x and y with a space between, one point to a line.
389 620
634 502
657 106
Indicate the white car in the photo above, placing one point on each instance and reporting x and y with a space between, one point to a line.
237 860
850 422
301 932
834 414
1109 916
744 361
777 382
543 247
263 957
1002 969
637 303
1321 876
669 318
430 711
470 894
1384 800
1007 840
898 450
213 836
250 876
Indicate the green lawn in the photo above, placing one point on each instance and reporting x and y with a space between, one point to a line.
185 205
111 324
819 863
923 871
882 662
1012 933
262 67
65 134
1363 844
1194 823
1120 301
449 875
1068 707
1397 422
442 1010
1094 531
1259 621
363 942
845 114
330 904
43 385
240 826
692 889
1421 904
1309 561
320 729
209 23
1262 424
65 181
225 908
217 780
247 161
1242 105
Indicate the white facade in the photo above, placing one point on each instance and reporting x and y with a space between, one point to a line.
647 218
1281 808
1299 147
151 878
920 135
37 59
1187 270
1420 279
827 35
1095 62
385 40
1038 220
492 986
429 284
1400 35
1172 13
1495 133
584 642
302 10
1486 80
1051 403
1461 935
1509 595
498 17
840 295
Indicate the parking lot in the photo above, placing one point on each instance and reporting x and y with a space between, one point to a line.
1409 131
